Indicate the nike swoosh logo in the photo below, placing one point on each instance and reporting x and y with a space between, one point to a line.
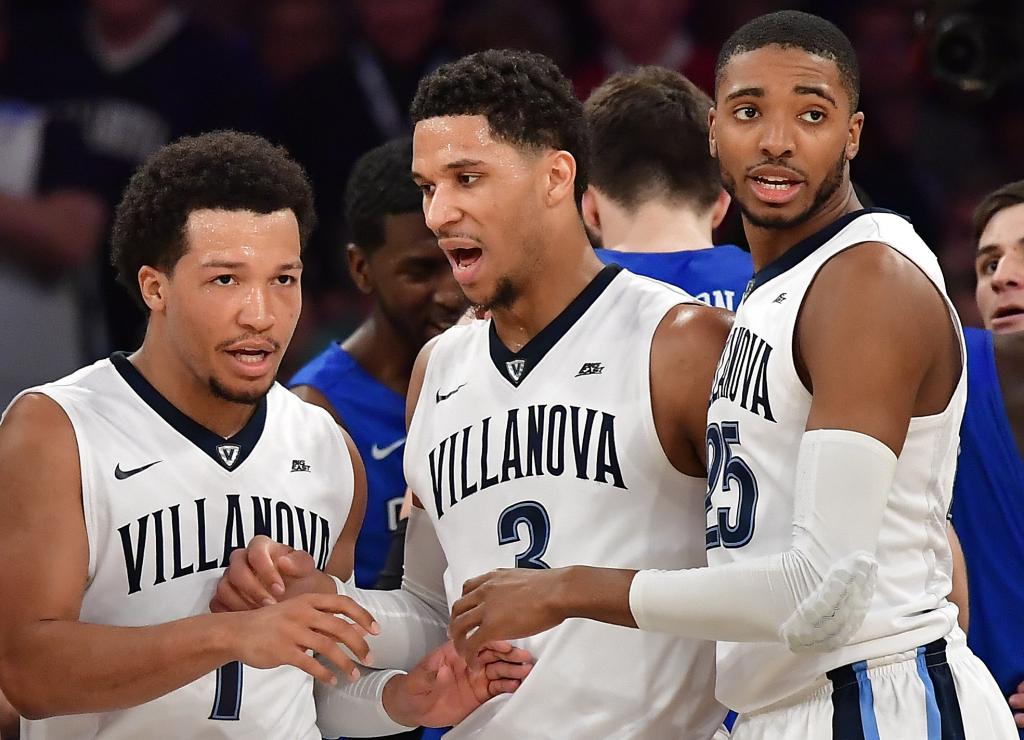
379 453
441 397
122 474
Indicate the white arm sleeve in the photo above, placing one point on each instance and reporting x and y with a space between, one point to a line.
414 619
355 709
813 596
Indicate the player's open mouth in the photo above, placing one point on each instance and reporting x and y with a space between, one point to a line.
1008 317
249 357
775 190
465 257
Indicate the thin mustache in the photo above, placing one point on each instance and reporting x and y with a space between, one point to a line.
247 337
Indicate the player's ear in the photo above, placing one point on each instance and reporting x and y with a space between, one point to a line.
359 269
712 144
853 139
153 287
561 180
591 210
720 208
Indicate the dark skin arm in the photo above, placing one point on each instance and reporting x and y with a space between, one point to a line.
44 548
872 387
519 602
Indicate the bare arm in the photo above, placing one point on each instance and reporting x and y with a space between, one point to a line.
61 230
44 548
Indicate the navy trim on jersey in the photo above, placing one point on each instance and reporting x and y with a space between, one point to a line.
847 704
515 366
242 442
806 247
940 689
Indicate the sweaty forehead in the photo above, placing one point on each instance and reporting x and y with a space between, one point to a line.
446 141
776 69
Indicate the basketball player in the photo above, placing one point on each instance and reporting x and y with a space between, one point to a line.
832 437
126 485
362 382
655 193
987 508
567 428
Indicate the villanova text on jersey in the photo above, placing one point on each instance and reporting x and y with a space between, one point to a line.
145 541
541 440
742 373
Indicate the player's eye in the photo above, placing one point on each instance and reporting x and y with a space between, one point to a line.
746 113
989 266
286 279
426 188
224 279
466 178
813 116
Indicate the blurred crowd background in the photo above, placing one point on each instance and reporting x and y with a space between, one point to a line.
90 88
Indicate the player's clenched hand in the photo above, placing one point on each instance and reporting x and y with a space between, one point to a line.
264 573
502 605
1017 704
442 690
281 634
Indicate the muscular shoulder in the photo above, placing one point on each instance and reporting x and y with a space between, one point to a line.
37 442
690 335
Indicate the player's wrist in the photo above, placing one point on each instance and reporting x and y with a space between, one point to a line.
397 702
596 593
222 637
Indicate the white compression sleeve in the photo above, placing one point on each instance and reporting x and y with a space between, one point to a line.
414 619
813 596
355 709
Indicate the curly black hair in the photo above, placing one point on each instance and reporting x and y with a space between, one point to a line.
793 29
649 137
379 186
223 170
526 99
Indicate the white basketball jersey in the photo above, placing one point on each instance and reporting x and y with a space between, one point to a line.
165 502
756 419
549 457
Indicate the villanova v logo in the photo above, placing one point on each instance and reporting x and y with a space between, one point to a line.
515 369
228 454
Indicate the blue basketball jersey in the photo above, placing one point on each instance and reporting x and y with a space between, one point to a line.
375 417
988 515
718 276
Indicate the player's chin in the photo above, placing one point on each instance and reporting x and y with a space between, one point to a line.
243 392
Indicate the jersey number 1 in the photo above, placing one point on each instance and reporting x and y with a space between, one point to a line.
228 701
535 517
726 470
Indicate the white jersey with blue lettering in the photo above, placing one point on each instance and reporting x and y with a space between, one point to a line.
549 457
165 502
758 413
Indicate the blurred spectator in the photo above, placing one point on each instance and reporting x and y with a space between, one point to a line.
295 37
126 77
351 103
534 25
49 227
648 32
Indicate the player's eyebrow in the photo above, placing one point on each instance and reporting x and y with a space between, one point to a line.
989 248
231 265
815 90
745 92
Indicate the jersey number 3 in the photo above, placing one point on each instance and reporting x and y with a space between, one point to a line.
538 527
727 472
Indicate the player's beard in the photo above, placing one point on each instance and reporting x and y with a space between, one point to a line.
505 294
825 191
247 398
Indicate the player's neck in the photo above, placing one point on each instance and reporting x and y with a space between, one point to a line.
175 382
656 226
767 245
554 285
382 352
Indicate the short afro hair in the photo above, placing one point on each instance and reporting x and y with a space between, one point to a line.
526 99
380 185
648 132
797 30
224 170
1007 196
